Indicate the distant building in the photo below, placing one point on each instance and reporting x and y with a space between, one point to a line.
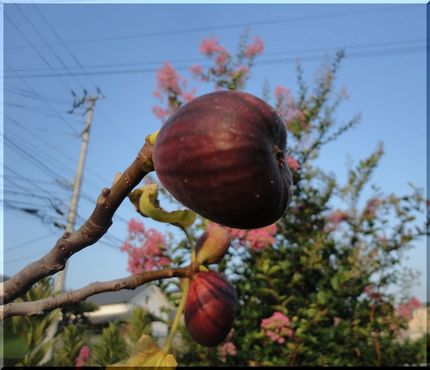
119 305
418 325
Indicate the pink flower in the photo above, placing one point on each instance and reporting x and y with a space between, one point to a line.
83 356
189 95
126 247
168 79
210 46
135 227
292 163
371 207
145 248
277 327
159 112
260 238
221 58
282 92
196 69
294 113
407 309
255 48
157 94
337 217
227 349
255 239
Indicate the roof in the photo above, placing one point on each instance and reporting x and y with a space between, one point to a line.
120 296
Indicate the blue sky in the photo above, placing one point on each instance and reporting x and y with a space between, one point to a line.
121 46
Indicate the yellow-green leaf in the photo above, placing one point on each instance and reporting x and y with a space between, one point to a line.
147 353
146 202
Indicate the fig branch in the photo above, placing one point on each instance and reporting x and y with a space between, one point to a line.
65 299
89 233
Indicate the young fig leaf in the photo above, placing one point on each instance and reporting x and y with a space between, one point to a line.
147 353
146 202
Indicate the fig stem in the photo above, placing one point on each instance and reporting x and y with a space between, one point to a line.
191 244
185 287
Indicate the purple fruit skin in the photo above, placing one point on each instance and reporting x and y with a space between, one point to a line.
210 308
222 155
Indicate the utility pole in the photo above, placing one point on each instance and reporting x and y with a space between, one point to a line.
71 217
89 102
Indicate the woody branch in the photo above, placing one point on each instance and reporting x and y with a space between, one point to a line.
65 299
89 233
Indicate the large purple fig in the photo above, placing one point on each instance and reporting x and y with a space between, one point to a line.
210 308
223 156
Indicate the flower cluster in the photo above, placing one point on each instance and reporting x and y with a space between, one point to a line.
173 87
83 357
255 48
337 216
371 207
227 349
145 247
288 110
371 293
407 309
292 163
277 327
255 239
227 72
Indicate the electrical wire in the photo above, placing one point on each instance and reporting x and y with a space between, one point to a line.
267 22
54 31
22 79
266 54
57 150
60 60
36 49
364 54
20 245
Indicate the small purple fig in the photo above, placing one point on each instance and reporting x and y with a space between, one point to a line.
210 308
213 245
223 156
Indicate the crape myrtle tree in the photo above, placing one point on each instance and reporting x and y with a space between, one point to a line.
314 287
257 286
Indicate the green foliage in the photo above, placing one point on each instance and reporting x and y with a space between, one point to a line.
68 344
330 269
139 324
29 333
110 348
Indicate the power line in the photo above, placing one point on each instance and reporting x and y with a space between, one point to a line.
79 65
46 43
364 54
41 97
24 257
25 154
34 185
36 49
30 95
232 26
57 176
54 31
115 126
46 142
25 107
266 54
17 246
